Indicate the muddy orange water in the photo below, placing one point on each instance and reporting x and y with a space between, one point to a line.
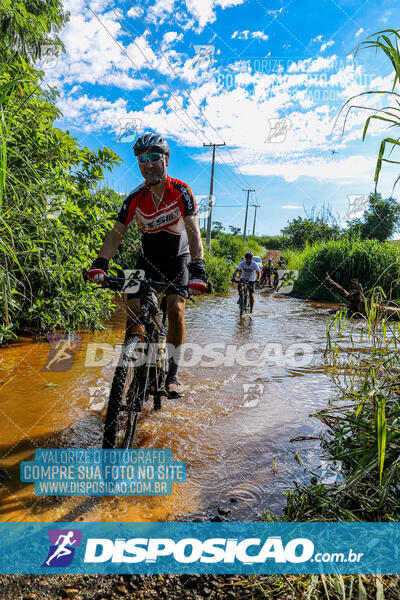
234 438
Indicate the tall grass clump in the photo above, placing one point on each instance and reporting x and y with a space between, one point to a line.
373 263
295 257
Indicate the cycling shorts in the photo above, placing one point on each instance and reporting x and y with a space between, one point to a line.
250 285
171 271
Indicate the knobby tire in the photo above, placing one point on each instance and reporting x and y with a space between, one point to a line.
125 393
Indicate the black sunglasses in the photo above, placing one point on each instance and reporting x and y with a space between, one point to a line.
153 158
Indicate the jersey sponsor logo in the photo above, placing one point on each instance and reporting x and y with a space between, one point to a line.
187 197
164 219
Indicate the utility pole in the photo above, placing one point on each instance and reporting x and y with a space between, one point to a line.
247 208
209 223
255 216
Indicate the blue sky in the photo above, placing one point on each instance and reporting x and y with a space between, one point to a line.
267 78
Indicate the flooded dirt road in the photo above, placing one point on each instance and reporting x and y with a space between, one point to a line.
233 428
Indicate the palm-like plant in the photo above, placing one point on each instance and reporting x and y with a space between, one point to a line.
382 42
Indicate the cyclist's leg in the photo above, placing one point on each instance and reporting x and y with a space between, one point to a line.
133 313
176 273
176 319
251 301
251 294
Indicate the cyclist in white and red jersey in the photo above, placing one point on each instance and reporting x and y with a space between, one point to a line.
165 211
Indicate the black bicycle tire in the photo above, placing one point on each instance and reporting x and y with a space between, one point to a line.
116 392
241 303
246 301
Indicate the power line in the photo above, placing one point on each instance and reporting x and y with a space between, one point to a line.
169 89
147 79
186 90
152 67
150 82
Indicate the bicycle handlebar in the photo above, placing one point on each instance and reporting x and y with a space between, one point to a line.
117 283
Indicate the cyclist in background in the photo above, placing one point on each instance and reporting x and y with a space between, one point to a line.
266 273
249 272
171 250
281 262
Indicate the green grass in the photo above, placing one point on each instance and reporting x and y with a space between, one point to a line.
373 263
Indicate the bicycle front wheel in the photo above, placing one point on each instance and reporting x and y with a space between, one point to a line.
125 399
241 303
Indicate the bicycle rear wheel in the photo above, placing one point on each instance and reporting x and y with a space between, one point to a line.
125 399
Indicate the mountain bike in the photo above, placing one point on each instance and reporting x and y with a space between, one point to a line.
244 296
143 364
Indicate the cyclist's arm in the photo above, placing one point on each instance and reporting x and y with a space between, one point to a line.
194 236
258 271
112 241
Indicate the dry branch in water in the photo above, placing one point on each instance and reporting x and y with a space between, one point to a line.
356 300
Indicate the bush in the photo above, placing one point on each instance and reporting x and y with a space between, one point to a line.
295 258
373 263
127 254
219 272
233 246
269 242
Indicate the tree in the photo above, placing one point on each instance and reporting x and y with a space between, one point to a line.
217 227
301 231
29 28
380 221
234 230
382 218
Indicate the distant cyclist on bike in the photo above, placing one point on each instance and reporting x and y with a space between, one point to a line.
266 273
281 262
249 272
165 211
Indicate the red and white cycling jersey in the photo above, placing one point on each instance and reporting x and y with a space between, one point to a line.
163 230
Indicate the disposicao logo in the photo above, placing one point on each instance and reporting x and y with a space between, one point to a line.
62 547
190 550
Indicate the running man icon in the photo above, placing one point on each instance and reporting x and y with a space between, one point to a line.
62 549
60 552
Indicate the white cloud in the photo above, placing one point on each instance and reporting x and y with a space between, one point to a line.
320 169
326 45
291 207
244 35
239 106
95 52
318 38
386 15
360 31
156 13
204 11
171 37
